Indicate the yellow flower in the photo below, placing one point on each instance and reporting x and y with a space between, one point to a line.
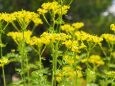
109 37
72 45
84 60
96 59
78 68
67 28
110 74
83 36
4 61
35 41
52 37
79 74
19 36
7 17
42 11
62 10
26 17
59 76
54 7
75 46
68 43
78 25
112 27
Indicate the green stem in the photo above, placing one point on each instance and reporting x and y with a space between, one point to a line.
5 26
4 79
46 20
3 73
54 55
39 54
15 26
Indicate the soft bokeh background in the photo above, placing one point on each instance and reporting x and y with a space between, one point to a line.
96 14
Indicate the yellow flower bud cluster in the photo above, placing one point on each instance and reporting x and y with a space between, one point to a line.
55 7
27 16
73 27
81 35
112 27
110 74
55 36
7 17
22 17
69 59
4 61
109 38
47 38
19 36
96 59
74 45
69 72
35 41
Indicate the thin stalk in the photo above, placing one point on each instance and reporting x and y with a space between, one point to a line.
13 24
39 57
54 55
46 20
53 66
4 79
5 26
103 50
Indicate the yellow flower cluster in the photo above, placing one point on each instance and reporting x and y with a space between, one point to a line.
109 38
26 17
69 59
4 61
96 59
112 27
78 25
35 41
21 17
19 36
47 38
69 73
7 17
55 36
74 45
87 37
73 27
110 74
55 7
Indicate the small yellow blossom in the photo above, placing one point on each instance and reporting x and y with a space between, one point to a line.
96 59
35 41
78 25
112 27
109 38
4 61
84 60
79 74
19 36
42 11
26 17
110 74
67 28
59 76
54 7
7 17
83 36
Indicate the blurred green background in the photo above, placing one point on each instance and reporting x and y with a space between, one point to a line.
88 11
